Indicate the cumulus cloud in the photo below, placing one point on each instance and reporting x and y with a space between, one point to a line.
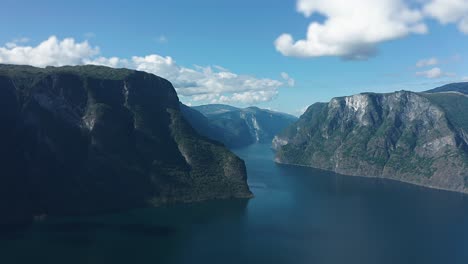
208 84
53 52
434 73
427 62
351 29
354 29
247 97
203 84
449 11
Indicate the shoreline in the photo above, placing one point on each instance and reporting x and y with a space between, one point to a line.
375 177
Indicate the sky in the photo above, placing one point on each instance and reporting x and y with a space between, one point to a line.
281 55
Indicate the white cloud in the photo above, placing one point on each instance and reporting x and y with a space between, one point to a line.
51 52
210 84
291 82
427 62
247 97
449 11
114 62
434 73
464 79
352 29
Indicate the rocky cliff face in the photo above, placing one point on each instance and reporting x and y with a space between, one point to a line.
405 136
237 127
88 139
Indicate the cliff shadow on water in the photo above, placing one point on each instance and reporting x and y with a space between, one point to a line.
142 235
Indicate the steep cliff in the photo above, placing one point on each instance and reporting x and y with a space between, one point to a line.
418 138
89 139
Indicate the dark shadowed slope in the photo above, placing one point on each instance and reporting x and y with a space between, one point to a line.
87 139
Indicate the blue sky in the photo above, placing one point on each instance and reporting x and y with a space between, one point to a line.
240 37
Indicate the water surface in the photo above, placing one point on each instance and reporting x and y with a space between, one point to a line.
298 215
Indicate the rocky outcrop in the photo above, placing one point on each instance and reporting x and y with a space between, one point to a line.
412 137
89 139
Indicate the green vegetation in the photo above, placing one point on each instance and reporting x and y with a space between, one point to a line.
398 135
454 106
87 71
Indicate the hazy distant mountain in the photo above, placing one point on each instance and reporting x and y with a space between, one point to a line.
214 109
421 138
205 127
453 87
90 139
237 127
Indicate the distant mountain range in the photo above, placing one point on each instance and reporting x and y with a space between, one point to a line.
453 87
236 127
215 109
89 139
420 138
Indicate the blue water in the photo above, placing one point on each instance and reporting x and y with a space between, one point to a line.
298 215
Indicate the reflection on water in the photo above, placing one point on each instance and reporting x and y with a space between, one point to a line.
298 215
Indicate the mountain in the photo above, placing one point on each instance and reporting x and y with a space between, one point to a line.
90 139
203 125
214 109
420 138
237 127
453 87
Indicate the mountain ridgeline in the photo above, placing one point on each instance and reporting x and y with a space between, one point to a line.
90 139
452 87
419 138
237 127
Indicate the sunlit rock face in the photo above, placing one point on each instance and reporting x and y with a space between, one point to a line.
88 139
413 137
